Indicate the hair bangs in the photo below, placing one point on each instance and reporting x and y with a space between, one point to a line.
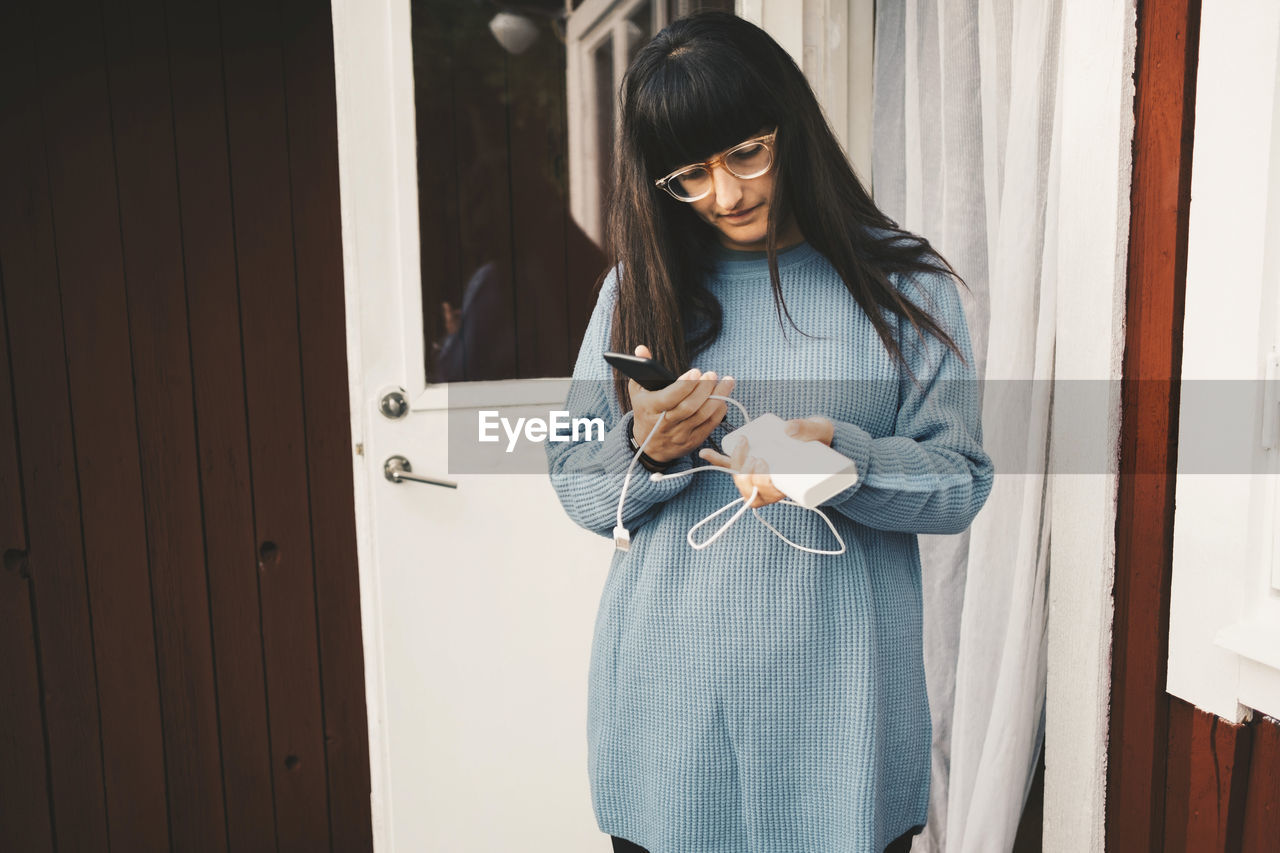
697 103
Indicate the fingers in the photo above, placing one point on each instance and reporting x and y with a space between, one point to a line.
753 474
683 399
715 458
747 478
690 412
687 395
736 462
814 428
648 405
711 412
710 415
675 434
757 477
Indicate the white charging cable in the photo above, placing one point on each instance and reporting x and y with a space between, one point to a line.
622 538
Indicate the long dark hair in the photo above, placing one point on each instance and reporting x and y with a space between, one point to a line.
704 84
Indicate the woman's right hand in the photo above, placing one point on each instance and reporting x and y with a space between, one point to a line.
691 413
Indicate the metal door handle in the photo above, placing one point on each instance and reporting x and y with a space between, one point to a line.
398 469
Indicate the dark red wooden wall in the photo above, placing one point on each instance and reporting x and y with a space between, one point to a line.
179 600
1178 779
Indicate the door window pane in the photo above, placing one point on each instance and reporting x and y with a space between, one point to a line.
639 27
507 275
606 96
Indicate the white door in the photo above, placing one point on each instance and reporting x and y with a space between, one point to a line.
478 602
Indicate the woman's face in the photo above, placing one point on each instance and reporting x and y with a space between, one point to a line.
737 208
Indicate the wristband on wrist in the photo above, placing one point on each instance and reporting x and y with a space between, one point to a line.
646 460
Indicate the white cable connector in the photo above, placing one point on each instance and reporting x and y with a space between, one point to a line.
622 538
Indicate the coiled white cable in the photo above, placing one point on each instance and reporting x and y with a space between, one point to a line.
622 537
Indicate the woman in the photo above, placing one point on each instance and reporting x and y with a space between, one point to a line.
752 696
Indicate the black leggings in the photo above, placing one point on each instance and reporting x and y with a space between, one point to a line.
622 845
901 845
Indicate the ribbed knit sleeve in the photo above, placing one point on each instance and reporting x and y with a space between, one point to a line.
588 474
931 475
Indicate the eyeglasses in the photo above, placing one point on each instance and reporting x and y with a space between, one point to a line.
751 159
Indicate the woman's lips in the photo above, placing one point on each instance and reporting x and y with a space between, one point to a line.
740 215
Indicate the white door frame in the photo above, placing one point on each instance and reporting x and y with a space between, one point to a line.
373 68
1096 128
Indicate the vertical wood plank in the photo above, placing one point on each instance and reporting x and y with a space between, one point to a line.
1208 774
1177 800
258 145
317 223
1262 801
24 793
1234 744
1160 201
54 558
42 393
24 800
150 231
86 222
208 243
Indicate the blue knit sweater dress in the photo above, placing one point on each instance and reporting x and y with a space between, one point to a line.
751 697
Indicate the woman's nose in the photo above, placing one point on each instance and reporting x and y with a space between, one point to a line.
728 188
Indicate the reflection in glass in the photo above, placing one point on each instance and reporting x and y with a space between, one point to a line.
602 63
639 27
511 221
505 271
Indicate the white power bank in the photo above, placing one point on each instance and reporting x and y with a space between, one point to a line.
808 472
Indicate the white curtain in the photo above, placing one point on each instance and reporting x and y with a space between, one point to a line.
966 111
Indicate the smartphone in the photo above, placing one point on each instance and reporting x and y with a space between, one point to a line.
651 375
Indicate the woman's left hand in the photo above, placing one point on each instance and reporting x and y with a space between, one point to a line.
755 472
812 428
